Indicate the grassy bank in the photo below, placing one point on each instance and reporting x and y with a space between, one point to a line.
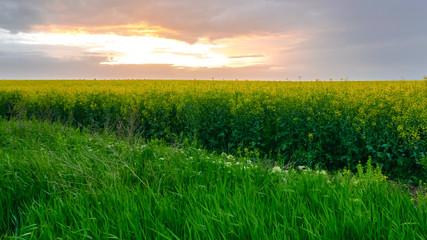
59 182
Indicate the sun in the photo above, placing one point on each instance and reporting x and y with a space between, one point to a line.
156 50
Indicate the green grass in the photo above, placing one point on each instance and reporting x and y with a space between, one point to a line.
61 183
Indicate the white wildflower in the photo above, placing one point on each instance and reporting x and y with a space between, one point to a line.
323 172
301 168
276 169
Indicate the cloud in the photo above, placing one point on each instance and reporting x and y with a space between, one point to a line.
354 21
20 15
39 66
248 56
330 38
191 19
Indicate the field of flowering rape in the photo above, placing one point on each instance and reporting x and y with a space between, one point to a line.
332 125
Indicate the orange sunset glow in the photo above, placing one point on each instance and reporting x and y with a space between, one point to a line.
140 44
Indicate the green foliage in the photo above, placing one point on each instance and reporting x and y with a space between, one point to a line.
330 124
59 182
369 173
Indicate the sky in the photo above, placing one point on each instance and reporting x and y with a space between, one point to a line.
221 39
